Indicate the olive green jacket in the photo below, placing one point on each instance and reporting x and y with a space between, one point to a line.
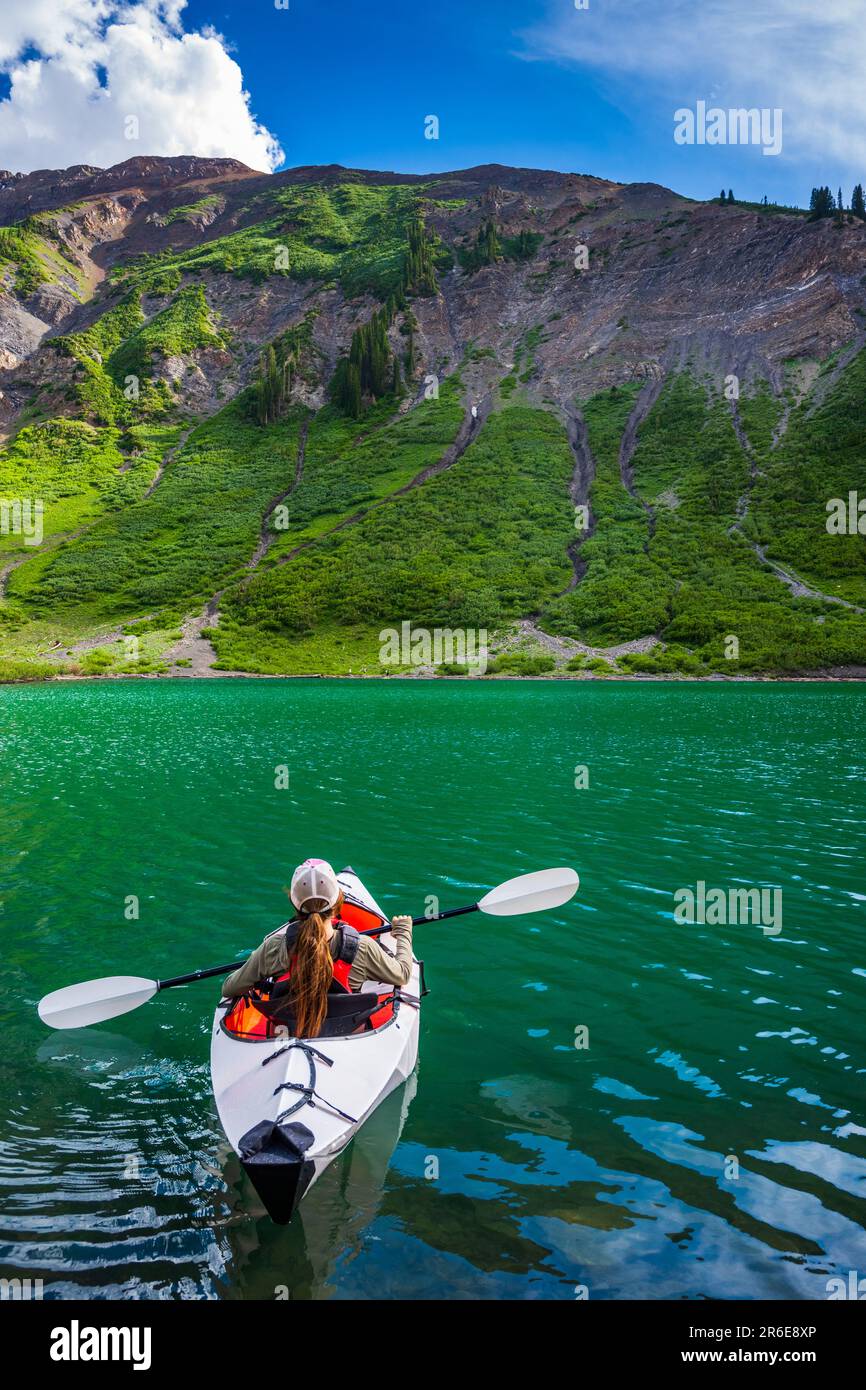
372 962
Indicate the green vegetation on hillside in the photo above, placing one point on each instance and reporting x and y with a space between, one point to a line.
190 211
367 373
353 234
273 384
13 669
116 355
312 524
693 580
174 550
821 456
30 250
288 358
489 247
760 414
523 246
419 272
177 330
476 545
622 595
78 471
347 467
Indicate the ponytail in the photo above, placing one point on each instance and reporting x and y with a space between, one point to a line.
312 971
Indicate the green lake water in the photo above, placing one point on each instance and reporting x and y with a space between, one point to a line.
710 1142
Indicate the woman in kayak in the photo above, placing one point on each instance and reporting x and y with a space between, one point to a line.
319 953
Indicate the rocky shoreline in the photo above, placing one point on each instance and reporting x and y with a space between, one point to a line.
837 675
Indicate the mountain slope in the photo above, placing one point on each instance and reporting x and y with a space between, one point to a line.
268 416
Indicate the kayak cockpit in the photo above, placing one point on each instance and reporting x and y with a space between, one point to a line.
258 1017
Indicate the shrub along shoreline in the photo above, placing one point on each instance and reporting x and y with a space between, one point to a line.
54 676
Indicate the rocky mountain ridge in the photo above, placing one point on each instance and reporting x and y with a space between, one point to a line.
539 291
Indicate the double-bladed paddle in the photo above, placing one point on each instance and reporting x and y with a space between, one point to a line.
94 1001
537 892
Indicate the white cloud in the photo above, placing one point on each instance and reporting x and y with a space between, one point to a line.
102 61
805 56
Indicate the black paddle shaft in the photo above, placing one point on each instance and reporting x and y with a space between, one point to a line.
419 921
200 975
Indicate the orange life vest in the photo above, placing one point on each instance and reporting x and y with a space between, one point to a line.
245 1020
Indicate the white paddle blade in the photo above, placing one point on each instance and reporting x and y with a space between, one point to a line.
531 893
77 1006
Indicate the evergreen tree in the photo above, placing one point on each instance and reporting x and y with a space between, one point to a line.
272 375
730 195
346 388
723 197
268 387
419 270
272 387
488 243
261 390
526 245
364 374
839 202
486 250
821 204
858 205
353 392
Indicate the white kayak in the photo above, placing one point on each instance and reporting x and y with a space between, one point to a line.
289 1106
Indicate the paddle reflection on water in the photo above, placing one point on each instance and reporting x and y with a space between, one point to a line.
85 1050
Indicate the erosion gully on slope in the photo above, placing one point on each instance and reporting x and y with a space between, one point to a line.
266 537
469 429
628 444
581 483
166 459
787 576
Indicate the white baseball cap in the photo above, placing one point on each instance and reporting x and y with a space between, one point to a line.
314 886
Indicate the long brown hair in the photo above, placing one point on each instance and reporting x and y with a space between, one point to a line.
312 970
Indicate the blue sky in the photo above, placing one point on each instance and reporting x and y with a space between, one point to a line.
350 81
531 82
